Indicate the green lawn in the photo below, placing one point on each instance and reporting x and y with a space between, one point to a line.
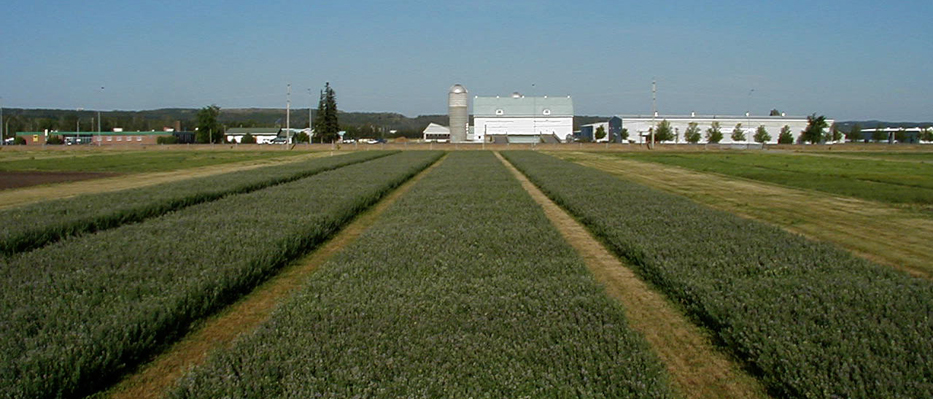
872 178
132 161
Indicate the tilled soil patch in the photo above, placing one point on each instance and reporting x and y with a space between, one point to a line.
18 179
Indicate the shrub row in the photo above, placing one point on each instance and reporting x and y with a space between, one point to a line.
814 320
76 313
35 225
462 289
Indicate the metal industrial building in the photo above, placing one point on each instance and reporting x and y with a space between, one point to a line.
522 119
639 127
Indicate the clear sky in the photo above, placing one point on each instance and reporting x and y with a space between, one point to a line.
849 60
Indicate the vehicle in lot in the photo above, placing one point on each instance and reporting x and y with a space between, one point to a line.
279 140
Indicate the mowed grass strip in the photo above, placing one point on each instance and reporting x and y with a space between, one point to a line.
872 179
128 161
813 320
462 289
78 313
32 226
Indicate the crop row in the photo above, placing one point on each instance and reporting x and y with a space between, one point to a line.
461 289
814 320
76 313
35 225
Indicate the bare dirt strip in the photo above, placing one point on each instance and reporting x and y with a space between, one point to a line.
885 234
219 331
15 197
698 369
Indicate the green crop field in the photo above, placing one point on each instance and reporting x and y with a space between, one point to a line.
813 320
129 161
462 289
35 225
77 313
865 176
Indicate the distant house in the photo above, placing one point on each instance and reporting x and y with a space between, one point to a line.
436 133
263 135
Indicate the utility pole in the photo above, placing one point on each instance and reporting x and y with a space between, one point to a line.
310 105
288 109
654 110
1 119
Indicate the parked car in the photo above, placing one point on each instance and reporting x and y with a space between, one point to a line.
279 140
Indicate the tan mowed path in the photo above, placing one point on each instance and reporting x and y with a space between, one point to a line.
886 234
697 368
16 197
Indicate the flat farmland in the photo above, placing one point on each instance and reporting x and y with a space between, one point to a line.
126 161
881 177
556 278
893 234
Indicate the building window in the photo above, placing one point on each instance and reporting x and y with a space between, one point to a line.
109 138
547 112
499 111
139 138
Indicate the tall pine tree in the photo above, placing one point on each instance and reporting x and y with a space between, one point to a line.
326 125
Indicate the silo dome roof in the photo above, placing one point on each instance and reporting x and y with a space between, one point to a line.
458 89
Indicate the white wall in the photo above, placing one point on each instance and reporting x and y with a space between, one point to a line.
561 126
638 127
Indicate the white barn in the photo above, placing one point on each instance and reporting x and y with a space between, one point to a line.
436 133
521 119
639 127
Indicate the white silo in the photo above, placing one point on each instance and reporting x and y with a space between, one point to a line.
457 111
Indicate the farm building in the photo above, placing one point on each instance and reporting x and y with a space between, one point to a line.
639 127
891 134
612 128
522 119
100 138
436 133
263 135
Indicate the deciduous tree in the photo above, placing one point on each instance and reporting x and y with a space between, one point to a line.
814 131
786 137
209 129
600 133
663 132
692 134
714 133
738 134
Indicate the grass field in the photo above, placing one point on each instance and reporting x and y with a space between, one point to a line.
129 161
868 176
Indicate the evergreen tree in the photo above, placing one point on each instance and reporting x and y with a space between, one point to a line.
738 134
786 137
761 135
623 134
600 133
326 124
714 133
248 139
692 134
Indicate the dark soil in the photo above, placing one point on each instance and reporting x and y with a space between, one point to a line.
18 179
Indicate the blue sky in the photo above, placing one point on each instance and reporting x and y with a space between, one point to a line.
849 60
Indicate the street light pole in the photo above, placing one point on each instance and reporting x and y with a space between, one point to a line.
310 105
288 110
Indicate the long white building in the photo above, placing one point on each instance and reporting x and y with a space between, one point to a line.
639 127
521 119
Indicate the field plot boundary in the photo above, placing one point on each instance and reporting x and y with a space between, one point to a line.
882 233
16 197
699 370
221 330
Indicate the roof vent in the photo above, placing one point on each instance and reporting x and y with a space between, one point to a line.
516 95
